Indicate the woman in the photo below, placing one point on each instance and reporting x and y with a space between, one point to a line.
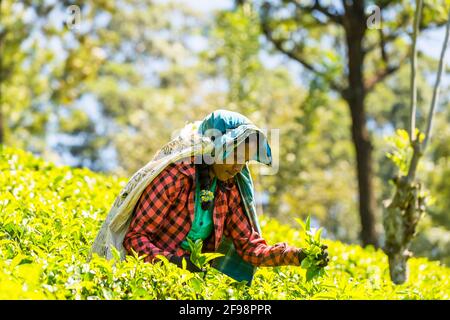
198 187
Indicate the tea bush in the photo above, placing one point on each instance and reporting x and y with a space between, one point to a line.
49 216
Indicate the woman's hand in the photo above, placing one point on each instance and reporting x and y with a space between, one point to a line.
323 257
301 255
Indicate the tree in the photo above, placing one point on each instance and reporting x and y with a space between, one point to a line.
35 78
98 86
149 85
313 149
405 209
433 230
335 42
236 56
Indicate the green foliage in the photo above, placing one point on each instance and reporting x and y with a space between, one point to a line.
237 40
197 257
313 250
38 78
135 98
49 216
438 168
402 150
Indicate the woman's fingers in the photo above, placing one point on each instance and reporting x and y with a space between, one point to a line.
323 257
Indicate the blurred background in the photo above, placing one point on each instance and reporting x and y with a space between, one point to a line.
104 84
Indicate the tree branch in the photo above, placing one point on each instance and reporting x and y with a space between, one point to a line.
419 148
278 44
318 7
436 89
383 74
384 55
417 16
403 23
383 41
384 4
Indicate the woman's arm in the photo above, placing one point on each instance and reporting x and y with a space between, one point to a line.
250 245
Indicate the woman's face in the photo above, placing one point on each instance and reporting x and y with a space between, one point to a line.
234 163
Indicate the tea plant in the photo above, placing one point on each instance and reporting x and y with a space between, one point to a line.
50 215
197 257
313 262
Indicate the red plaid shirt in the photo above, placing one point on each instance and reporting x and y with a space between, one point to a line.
164 213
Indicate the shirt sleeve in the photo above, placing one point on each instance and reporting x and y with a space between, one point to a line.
250 245
153 205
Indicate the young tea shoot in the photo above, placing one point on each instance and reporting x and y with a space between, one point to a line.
313 250
197 257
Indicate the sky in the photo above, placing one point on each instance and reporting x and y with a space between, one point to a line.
208 6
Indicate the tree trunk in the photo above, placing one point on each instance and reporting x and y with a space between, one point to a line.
400 220
354 24
408 204
398 267
363 148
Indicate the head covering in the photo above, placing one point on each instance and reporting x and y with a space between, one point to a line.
230 129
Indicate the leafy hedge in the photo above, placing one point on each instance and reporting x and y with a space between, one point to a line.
49 216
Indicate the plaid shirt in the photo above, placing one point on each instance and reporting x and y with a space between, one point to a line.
164 213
